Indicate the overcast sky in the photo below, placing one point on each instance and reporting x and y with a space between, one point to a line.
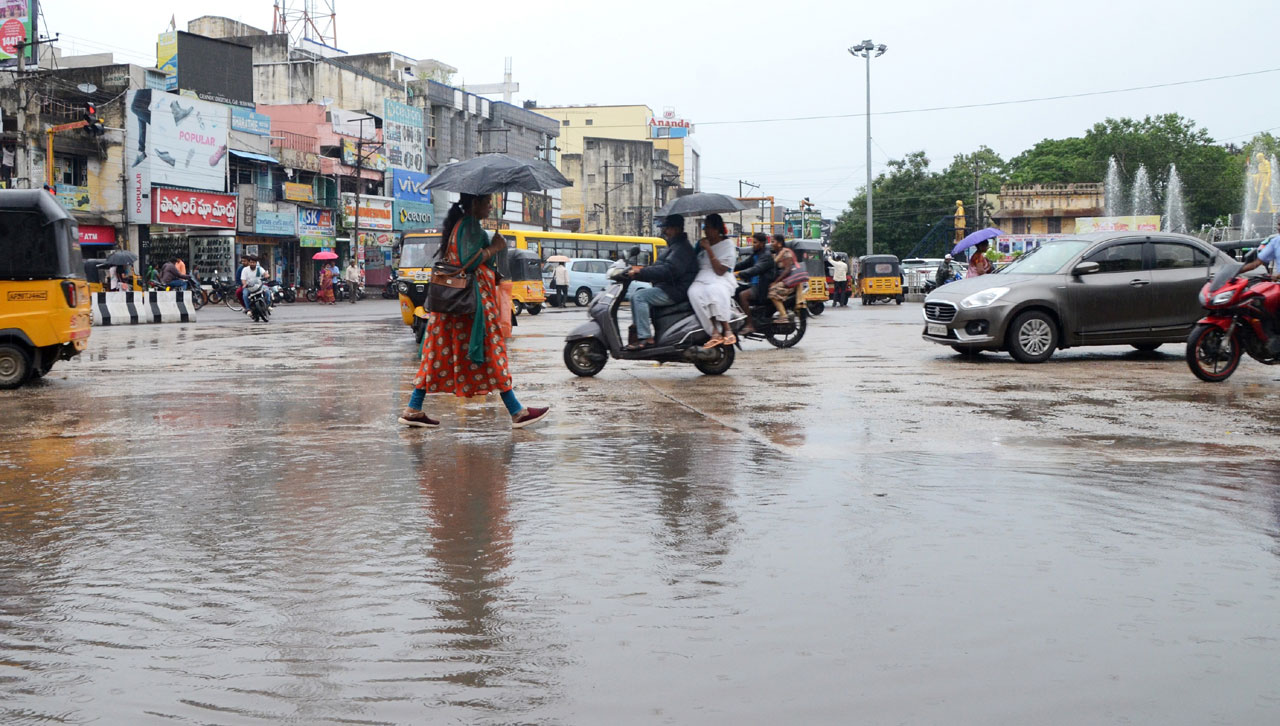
750 60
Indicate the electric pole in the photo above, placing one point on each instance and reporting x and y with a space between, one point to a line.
741 184
355 232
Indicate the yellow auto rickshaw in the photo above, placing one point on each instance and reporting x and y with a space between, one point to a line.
523 269
418 250
44 299
815 263
880 279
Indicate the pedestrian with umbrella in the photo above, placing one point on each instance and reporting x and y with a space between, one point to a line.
465 353
325 293
979 241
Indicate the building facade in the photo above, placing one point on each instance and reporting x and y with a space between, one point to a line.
1046 208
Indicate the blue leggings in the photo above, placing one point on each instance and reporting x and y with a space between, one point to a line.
508 399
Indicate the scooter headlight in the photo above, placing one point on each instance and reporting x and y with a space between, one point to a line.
1223 298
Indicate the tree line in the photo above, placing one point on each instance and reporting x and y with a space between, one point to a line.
910 198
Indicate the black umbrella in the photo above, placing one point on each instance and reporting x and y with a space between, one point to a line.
702 204
492 173
120 258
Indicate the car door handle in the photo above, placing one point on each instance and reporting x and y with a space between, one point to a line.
1139 283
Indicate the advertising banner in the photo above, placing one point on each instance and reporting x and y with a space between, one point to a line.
347 123
279 224
250 121
410 186
403 137
535 209
73 198
193 209
316 227
1009 245
299 192
1150 223
369 159
167 58
213 256
375 212
413 215
16 19
172 140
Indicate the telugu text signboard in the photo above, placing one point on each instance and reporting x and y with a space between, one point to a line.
193 209
403 136
375 212
276 224
172 140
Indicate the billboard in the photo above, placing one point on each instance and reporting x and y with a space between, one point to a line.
315 227
215 70
1145 223
171 140
369 158
375 212
250 121
410 186
167 58
413 215
535 209
194 209
403 137
16 20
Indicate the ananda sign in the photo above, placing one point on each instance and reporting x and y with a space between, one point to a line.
670 123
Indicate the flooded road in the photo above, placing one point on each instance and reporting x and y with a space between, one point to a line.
224 524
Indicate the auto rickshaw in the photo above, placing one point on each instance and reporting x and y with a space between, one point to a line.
44 299
880 279
523 269
418 249
815 263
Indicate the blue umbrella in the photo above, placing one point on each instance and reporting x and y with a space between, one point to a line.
975 239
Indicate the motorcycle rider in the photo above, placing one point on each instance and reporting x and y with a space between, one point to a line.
757 272
248 274
671 275
1269 254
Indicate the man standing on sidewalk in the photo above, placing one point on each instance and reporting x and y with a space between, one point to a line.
560 276
352 277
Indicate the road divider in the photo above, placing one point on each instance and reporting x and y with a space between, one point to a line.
136 308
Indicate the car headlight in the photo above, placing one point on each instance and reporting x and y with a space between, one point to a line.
984 298
1223 298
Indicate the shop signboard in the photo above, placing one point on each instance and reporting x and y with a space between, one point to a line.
410 186
413 215
72 197
167 58
299 192
277 224
93 234
250 121
369 159
316 227
213 256
402 136
1140 223
16 19
172 140
375 212
194 209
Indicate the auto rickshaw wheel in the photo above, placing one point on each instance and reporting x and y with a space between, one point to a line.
517 307
898 300
419 329
533 308
866 300
816 308
15 366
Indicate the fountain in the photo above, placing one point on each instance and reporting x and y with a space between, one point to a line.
1175 214
1113 192
1142 202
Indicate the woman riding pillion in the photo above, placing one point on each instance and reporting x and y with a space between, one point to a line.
466 355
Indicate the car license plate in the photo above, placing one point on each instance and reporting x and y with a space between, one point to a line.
938 330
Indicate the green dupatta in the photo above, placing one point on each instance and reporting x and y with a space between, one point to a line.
471 240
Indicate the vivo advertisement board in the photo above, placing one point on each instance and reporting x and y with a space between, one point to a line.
410 186
171 140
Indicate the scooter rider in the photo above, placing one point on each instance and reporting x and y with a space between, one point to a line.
757 272
670 276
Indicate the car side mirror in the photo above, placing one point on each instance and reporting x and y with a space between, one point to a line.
1085 268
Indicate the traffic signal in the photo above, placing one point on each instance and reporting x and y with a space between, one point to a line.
91 118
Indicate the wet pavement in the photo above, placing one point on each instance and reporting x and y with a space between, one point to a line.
222 523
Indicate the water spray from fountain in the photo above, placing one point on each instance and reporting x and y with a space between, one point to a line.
1175 214
1143 202
1113 192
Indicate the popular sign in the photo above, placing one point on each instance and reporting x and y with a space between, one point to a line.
194 209
410 186
375 212
172 140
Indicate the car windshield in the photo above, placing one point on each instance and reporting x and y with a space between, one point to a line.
419 251
1046 259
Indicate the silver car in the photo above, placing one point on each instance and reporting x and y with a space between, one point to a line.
1111 288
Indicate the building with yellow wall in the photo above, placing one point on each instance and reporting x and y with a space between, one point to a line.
1046 208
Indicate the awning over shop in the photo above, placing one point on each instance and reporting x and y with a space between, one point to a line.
255 157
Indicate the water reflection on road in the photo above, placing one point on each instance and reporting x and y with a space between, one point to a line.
232 541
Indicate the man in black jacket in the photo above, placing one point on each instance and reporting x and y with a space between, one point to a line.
671 275
757 272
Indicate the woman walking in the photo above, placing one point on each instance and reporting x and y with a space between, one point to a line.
325 294
711 293
466 355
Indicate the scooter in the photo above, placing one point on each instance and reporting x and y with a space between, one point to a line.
1244 317
678 336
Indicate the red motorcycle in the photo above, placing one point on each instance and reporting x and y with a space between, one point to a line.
1244 317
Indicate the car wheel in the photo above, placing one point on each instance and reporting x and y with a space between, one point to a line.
1146 347
1032 338
582 298
15 366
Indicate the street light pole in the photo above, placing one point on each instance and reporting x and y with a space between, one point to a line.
865 49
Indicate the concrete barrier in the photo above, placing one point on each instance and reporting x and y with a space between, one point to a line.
152 306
